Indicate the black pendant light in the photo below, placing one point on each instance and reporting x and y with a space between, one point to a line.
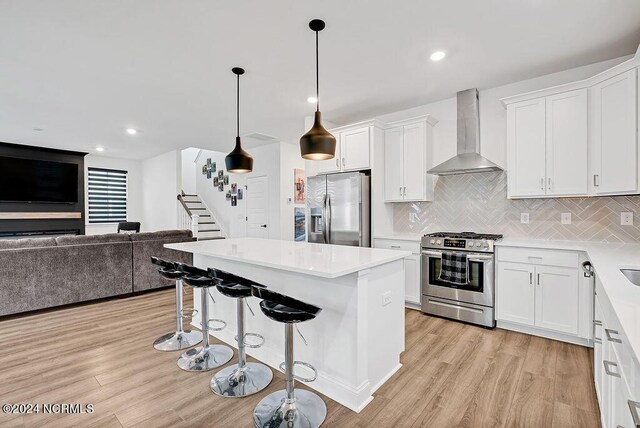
318 143
238 161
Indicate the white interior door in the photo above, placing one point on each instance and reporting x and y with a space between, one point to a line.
258 207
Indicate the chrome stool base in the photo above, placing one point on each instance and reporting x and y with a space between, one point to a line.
231 382
306 411
202 359
177 340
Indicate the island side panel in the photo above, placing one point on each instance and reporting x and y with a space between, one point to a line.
386 320
333 336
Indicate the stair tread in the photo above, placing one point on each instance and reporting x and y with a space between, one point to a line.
206 222
211 239
209 230
199 209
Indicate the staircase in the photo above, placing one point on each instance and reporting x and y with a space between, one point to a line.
195 215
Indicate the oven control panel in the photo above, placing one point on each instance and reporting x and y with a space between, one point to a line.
455 243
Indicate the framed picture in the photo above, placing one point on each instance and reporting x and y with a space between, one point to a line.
204 169
234 201
216 181
226 180
299 186
208 173
234 188
228 195
220 187
213 167
220 174
299 225
240 194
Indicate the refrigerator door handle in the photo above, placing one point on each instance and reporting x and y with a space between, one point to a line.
328 224
324 219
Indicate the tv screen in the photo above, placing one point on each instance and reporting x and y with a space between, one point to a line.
30 180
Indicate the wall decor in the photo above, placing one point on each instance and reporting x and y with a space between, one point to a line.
234 188
208 168
299 224
220 187
220 174
226 180
240 195
234 201
216 181
228 195
298 185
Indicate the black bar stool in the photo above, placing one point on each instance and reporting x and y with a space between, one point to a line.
207 356
289 408
241 379
181 338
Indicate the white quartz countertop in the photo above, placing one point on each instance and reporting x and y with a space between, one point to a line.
400 237
327 261
607 259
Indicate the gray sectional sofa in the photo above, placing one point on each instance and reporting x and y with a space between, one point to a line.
38 273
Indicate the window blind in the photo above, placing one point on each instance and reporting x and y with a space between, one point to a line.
107 195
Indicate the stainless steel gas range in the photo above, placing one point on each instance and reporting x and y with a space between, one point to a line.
470 300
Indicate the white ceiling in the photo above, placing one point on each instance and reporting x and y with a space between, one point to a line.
84 70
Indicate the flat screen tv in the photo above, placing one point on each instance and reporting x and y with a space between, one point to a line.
30 180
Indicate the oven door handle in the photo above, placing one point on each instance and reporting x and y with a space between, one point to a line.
472 258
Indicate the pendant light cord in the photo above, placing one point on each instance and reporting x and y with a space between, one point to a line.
317 77
238 106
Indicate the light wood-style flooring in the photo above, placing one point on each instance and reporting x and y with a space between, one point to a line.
453 375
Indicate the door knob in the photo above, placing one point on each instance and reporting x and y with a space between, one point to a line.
263 225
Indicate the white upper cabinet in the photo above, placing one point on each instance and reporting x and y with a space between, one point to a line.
353 151
576 139
526 148
406 155
547 145
614 145
567 144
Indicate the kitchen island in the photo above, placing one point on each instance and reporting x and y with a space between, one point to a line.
354 343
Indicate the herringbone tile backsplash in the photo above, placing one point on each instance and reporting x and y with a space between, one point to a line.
478 203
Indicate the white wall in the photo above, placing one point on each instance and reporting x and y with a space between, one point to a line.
290 159
493 116
161 183
134 181
188 173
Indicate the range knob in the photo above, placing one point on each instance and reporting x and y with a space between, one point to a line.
478 244
485 244
433 241
470 244
438 242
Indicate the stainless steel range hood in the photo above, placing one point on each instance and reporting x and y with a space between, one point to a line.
468 159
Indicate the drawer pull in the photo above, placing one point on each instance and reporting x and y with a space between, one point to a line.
633 407
596 322
597 340
607 368
609 332
395 246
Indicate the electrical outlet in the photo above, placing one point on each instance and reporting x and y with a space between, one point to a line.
413 217
626 218
524 218
565 218
386 298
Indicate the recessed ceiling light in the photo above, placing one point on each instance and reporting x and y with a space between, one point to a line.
132 131
99 149
312 100
437 56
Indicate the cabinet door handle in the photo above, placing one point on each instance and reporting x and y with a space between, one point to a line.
530 278
344 163
633 407
542 183
549 180
338 162
609 332
596 180
538 279
607 368
404 191
400 190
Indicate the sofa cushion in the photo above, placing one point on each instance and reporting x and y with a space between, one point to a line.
11 244
163 234
92 239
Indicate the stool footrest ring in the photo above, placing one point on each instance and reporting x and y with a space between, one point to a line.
300 378
254 345
188 312
214 320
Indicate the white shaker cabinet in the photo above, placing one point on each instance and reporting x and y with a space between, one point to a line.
407 151
547 146
515 300
412 288
613 125
557 298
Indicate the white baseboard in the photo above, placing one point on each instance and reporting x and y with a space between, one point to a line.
534 331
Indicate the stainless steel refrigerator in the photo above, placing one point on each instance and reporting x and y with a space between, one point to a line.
339 209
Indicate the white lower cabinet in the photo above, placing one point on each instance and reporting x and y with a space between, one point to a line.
412 289
542 292
616 401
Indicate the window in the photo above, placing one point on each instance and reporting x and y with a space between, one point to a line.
107 191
